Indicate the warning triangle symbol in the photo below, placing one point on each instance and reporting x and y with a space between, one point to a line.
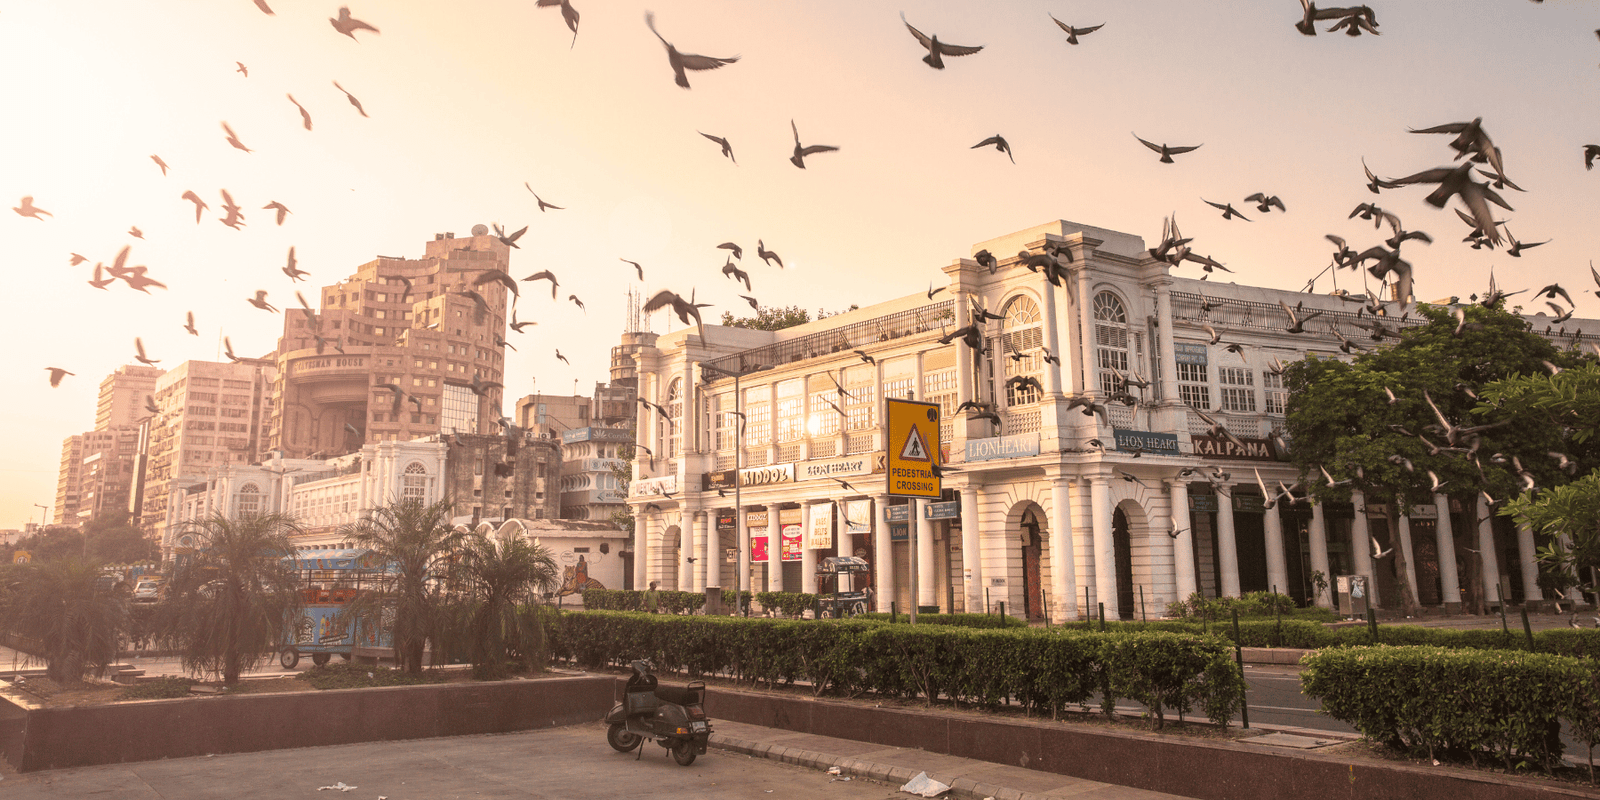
915 449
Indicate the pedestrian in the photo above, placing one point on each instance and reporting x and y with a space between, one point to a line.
652 598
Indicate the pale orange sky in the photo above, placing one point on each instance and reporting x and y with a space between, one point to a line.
469 100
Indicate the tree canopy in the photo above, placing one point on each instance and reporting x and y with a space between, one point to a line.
776 318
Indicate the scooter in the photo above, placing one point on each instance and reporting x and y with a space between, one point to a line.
673 716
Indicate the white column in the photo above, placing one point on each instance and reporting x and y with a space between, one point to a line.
685 571
1169 359
1085 354
703 565
1063 565
1277 563
971 549
1319 555
1491 562
742 530
1361 547
1183 544
883 588
1052 372
1444 535
713 551
1528 557
927 594
808 557
1405 547
774 550
1227 542
1105 547
641 548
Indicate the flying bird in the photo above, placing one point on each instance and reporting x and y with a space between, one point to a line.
568 14
138 346
545 275
684 61
1516 248
1228 211
727 149
28 209
1475 196
97 281
479 386
1376 214
1265 202
767 256
497 276
282 210
577 302
751 300
242 70
262 4
56 374
1167 151
864 357
260 301
986 259
199 205
163 164
937 49
738 252
509 241
999 143
1072 32
351 98
542 204
635 266
305 116
518 326
1374 183
737 274
233 218
1590 153
562 358
348 25
76 259
135 232
1297 319
685 309
800 153
188 324
233 138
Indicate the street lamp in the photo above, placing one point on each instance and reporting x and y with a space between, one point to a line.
44 511
741 536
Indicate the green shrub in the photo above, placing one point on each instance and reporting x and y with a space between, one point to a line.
958 620
788 604
361 676
1310 635
730 596
163 688
1457 704
1045 669
668 602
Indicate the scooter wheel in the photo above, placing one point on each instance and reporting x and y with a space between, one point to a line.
621 740
683 753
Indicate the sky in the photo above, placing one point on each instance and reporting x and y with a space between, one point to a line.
469 100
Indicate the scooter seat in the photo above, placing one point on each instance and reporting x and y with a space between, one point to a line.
680 695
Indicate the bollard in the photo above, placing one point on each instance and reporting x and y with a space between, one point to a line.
1372 624
1002 608
1526 628
1504 628
1086 612
1277 632
1102 617
1143 612
985 599
1238 658
893 613
1044 597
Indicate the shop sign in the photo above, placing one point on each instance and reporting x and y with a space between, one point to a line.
730 555
1248 503
858 516
789 516
839 467
1253 450
1189 353
1203 503
763 476
596 435
609 496
720 479
1018 446
654 487
755 520
901 513
820 536
899 532
726 521
1147 441
950 509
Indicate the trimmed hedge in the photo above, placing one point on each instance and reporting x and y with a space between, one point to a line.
986 621
1043 669
1459 704
1251 604
633 600
1316 636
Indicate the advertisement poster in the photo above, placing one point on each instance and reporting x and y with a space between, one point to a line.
821 534
858 516
758 549
791 543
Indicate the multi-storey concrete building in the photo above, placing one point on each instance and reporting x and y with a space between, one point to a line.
69 478
123 394
551 415
491 479
107 476
400 350
109 448
210 415
1048 506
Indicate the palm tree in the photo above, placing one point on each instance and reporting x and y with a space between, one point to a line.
500 578
74 617
418 544
233 600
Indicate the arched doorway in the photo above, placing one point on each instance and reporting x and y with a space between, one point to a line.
1032 574
1122 539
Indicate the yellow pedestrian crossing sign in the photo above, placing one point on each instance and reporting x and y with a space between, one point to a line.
911 441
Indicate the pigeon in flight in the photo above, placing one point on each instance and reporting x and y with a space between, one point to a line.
265 9
684 61
1228 211
999 143
497 276
542 204
800 153
737 274
233 138
545 275
1590 153
685 309
199 205
568 14
28 209
511 240
161 164
1265 202
937 49
260 301
278 207
1458 181
138 346
727 149
348 25
188 324
305 116
767 256
56 374
351 98
233 218
738 252
1072 32
135 232
1167 151
291 269
635 266
242 70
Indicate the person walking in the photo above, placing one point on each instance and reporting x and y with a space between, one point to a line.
652 599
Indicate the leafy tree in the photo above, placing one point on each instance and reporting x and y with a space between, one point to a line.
776 318
114 541
231 602
500 577
1341 419
53 543
419 544
74 617
623 472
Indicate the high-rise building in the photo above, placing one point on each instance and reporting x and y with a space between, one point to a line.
402 349
552 414
67 479
210 414
122 396
107 475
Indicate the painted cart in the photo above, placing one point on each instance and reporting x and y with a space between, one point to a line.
330 579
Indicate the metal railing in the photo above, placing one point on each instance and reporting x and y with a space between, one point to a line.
844 338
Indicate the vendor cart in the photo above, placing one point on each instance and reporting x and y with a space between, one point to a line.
837 581
329 580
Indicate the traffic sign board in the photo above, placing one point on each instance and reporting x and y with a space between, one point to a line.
912 434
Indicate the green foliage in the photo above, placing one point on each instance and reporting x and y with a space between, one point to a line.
233 599
362 676
166 687
787 604
633 600
1046 670
113 541
1302 634
987 621
498 579
62 609
1456 704
418 541
623 473
1251 604
53 543
731 598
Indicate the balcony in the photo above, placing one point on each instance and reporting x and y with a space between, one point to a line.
844 338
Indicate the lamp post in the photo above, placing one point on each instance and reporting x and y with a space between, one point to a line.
44 511
741 542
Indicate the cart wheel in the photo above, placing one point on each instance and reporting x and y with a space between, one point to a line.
345 656
858 608
620 739
289 657
683 752
321 658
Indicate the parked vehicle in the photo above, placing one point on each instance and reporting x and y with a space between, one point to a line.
673 716
845 600
148 590
330 580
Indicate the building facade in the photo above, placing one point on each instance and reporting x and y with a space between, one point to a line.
492 479
771 453
123 394
401 349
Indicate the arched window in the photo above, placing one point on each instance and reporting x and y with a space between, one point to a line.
674 435
249 500
1021 348
414 482
1111 341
